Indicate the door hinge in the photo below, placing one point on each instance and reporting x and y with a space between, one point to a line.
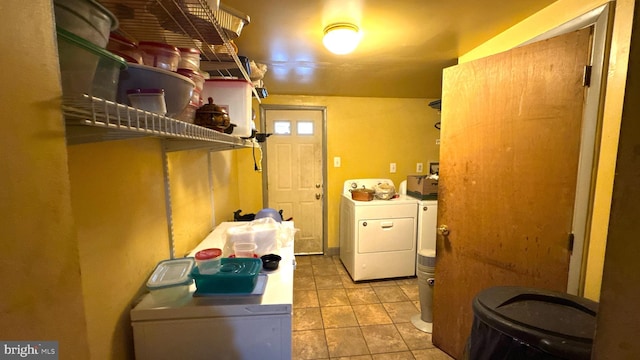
571 241
586 79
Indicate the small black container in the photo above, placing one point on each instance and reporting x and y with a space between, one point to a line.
270 261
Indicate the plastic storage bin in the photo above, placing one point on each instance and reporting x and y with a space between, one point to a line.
236 275
189 59
148 99
87 68
124 47
521 323
244 250
262 233
86 19
170 279
235 96
160 55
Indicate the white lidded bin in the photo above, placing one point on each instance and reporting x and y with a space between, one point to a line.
171 279
235 96
263 233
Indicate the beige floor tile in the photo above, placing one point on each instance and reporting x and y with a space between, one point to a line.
304 283
400 312
412 291
371 314
349 284
407 281
338 317
390 294
404 355
321 260
359 357
417 305
414 338
305 299
383 339
328 282
303 270
431 354
383 283
346 342
307 319
324 269
341 269
362 296
309 344
303 259
333 297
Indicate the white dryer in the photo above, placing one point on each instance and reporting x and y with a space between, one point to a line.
377 237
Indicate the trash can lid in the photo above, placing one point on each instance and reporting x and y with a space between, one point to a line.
558 323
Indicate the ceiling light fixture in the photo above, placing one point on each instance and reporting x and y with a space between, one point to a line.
341 38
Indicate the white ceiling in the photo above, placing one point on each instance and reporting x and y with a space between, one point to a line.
405 44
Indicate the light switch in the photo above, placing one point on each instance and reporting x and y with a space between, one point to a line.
336 161
392 168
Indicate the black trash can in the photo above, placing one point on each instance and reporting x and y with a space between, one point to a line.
524 323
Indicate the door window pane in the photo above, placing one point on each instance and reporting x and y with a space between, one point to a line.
305 128
282 127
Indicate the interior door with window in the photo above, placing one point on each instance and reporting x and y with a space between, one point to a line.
294 172
510 146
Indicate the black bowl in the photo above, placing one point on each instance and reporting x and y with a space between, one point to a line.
270 261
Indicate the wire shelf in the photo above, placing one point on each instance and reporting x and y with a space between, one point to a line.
182 23
91 119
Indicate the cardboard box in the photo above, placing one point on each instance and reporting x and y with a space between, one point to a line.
421 187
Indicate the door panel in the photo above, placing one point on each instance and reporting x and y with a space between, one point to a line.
386 235
294 173
510 143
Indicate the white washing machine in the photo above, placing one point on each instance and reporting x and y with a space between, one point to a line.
377 237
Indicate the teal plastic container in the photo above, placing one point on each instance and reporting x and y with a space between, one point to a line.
236 275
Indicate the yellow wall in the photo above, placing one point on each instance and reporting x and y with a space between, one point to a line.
225 185
190 198
42 292
368 134
547 19
117 193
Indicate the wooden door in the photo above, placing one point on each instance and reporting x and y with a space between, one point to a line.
294 173
510 143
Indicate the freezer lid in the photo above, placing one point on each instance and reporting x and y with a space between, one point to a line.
199 308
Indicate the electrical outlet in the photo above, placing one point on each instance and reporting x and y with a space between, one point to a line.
437 141
336 161
419 168
392 168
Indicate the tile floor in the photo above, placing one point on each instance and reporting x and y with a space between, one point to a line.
335 318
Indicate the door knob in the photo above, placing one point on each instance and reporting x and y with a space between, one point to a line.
318 196
443 229
318 186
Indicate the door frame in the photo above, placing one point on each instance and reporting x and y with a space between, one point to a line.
601 18
265 172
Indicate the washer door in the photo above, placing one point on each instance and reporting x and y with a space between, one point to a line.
381 235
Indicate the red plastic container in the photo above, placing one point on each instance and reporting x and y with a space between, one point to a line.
160 55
